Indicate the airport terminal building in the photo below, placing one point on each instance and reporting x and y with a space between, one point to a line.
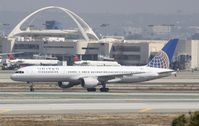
131 52
135 52
84 43
81 41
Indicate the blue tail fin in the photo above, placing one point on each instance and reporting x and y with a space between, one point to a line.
164 57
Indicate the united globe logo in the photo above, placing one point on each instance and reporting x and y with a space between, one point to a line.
161 60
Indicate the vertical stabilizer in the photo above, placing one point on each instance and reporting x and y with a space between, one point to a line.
164 57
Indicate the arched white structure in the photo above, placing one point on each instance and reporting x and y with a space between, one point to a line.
83 27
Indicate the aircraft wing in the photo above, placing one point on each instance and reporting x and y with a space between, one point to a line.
113 76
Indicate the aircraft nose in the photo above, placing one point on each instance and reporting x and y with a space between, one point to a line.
13 77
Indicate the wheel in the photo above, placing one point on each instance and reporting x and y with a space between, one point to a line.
104 89
91 89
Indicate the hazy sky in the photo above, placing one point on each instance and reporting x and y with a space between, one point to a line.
107 6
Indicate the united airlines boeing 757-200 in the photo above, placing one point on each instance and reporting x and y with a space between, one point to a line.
90 77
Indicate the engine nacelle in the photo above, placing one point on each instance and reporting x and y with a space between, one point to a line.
65 84
89 82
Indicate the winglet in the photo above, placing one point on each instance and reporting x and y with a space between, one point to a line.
164 57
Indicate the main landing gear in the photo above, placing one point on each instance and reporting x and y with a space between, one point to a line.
104 88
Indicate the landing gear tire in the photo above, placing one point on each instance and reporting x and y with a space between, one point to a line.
104 89
91 89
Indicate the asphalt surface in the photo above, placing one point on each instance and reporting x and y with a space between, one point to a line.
62 103
50 102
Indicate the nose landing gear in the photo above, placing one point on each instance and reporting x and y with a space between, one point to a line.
31 87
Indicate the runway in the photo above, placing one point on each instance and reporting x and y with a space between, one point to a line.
63 103
166 95
95 95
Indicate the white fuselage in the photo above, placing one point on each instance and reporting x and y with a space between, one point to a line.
125 74
34 62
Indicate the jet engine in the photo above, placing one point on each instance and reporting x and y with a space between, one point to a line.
89 82
65 84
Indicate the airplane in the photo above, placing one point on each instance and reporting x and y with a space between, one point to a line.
89 77
28 62
96 63
10 63
5 58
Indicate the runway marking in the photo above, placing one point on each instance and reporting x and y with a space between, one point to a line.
144 110
4 111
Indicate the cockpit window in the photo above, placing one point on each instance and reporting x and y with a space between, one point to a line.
21 72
